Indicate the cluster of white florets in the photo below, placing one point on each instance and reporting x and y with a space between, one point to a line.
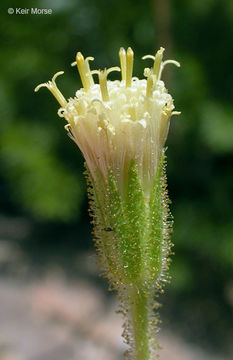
114 122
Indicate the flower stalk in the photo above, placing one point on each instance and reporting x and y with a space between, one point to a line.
121 127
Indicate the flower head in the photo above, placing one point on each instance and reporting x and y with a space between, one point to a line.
121 127
114 122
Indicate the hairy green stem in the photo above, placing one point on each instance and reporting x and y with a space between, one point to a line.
140 322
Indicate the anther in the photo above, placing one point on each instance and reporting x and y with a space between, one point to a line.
84 70
89 58
103 85
122 56
129 66
149 86
157 62
151 81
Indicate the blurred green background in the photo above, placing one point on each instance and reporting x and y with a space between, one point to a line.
42 186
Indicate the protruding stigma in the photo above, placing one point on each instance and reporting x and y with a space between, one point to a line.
51 85
129 66
103 80
122 56
84 70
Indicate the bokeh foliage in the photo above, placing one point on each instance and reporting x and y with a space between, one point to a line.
41 168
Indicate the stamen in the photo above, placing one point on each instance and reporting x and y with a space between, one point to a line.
52 87
103 80
84 70
149 86
147 72
80 107
122 56
103 85
89 58
151 82
157 62
132 112
129 66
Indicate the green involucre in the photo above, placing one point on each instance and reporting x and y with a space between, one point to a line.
132 232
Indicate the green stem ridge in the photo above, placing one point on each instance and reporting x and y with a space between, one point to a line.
132 236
